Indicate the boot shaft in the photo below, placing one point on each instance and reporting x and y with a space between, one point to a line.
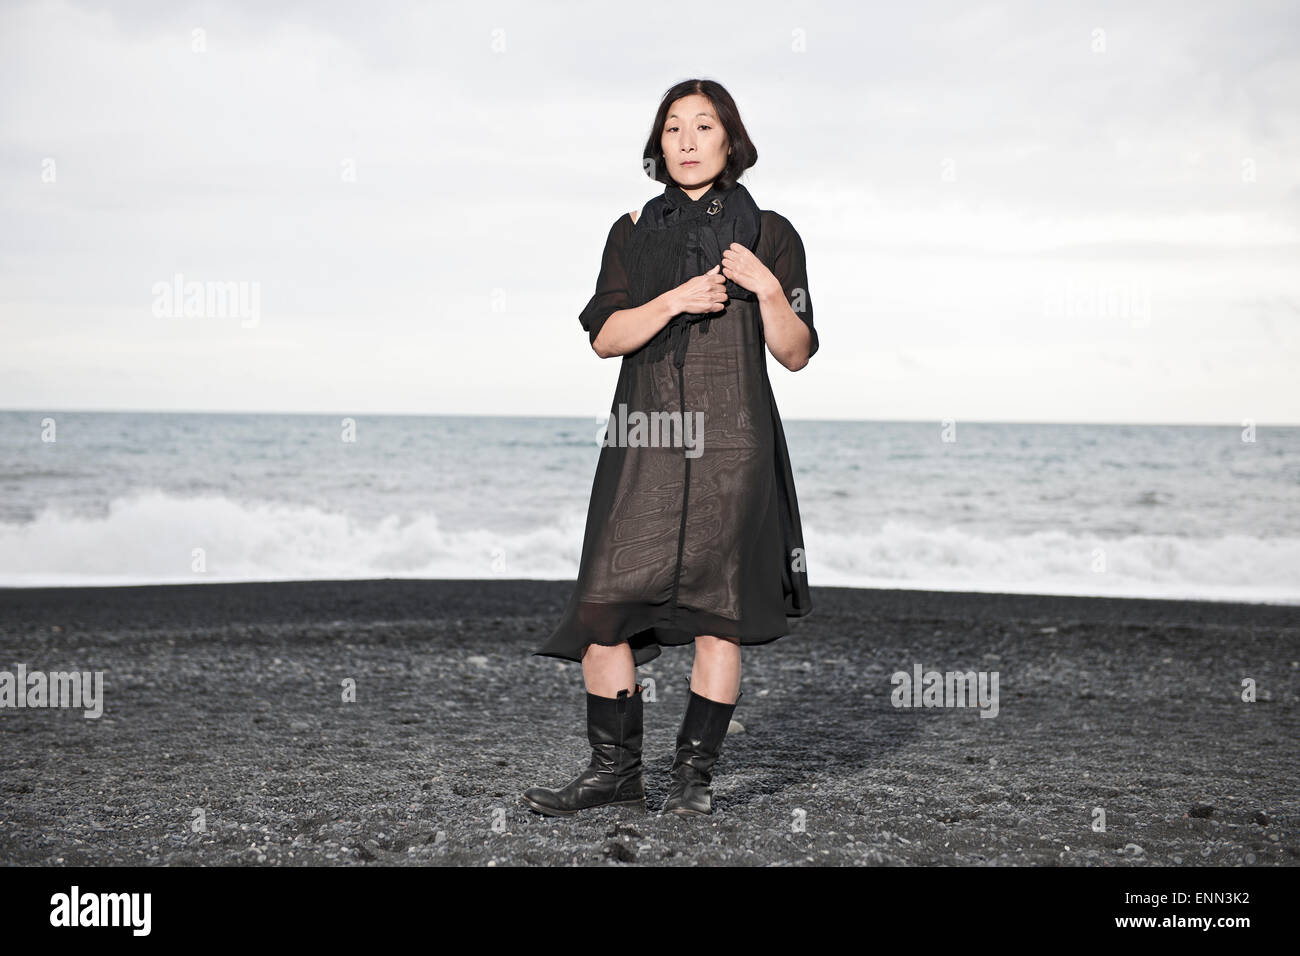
615 728
702 732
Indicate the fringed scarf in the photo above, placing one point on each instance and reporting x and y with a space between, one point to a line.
676 238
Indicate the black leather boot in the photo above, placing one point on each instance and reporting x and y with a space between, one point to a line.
699 741
613 778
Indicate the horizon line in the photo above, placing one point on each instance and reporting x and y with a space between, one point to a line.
910 421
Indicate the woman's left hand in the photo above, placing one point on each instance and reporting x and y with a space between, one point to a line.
744 268
788 337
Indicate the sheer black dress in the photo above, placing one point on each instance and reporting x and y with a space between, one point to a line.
682 542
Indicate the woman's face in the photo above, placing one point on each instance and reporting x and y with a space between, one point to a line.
694 143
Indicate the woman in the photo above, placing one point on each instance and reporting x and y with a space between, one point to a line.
693 531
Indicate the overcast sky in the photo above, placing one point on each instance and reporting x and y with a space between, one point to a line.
1011 211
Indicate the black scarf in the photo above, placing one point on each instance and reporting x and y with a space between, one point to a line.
676 238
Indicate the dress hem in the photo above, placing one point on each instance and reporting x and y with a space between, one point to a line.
679 631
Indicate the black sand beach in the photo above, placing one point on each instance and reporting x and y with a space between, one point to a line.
227 699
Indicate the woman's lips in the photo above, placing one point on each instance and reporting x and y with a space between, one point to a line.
691 162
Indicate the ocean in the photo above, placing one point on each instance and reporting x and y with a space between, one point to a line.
108 498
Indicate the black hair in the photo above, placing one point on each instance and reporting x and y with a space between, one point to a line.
744 153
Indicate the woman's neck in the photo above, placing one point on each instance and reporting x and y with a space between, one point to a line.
695 192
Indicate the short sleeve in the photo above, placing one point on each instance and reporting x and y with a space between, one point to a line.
611 293
791 269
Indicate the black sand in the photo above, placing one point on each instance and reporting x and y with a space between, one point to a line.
227 698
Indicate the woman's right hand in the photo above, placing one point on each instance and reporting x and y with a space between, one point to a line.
626 330
702 294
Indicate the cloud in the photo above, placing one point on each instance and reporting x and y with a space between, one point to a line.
426 188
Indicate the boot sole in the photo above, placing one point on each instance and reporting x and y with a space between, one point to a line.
553 812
